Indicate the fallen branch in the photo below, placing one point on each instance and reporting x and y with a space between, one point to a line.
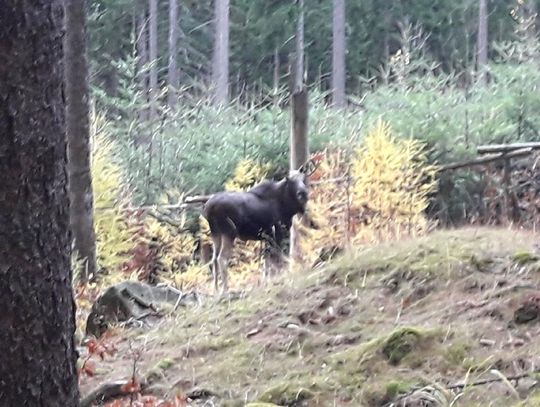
487 159
188 201
180 206
107 392
500 148
332 180
463 385
489 381
197 199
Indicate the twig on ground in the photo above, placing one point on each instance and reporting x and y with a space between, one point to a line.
463 385
107 392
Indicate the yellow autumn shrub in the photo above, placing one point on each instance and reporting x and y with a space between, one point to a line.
392 184
247 173
379 193
329 207
114 236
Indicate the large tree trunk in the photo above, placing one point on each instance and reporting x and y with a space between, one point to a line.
153 34
37 325
220 62
338 54
482 41
78 136
173 51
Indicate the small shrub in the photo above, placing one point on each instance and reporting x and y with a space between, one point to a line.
114 234
381 192
392 182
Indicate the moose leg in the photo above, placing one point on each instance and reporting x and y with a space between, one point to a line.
216 240
224 256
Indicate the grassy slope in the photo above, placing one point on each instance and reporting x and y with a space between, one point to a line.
359 331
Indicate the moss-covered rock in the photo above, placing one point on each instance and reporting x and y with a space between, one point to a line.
286 395
400 343
380 393
525 257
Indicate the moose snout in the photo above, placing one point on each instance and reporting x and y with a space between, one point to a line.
302 196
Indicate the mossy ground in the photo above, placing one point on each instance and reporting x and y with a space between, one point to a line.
366 329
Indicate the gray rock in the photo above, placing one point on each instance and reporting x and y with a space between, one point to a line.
133 300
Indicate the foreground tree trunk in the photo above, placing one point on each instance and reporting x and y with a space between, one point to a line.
37 324
338 54
173 51
78 136
220 62
482 41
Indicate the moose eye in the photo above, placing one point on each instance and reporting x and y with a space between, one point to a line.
301 195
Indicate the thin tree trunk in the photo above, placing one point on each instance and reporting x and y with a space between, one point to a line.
78 137
153 34
37 324
173 52
532 16
482 41
142 53
299 143
276 70
298 76
299 130
220 63
338 54
276 77
387 19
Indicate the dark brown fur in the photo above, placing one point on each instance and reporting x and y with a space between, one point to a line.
261 213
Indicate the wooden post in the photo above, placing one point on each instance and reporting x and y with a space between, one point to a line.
299 116
507 212
299 147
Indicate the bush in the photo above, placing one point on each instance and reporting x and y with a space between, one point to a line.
382 192
114 234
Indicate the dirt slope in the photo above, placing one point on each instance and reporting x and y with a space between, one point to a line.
364 330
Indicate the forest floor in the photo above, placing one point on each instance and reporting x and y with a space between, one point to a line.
421 322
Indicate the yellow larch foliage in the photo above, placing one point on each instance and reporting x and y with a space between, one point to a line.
114 236
329 206
176 248
247 173
392 184
379 193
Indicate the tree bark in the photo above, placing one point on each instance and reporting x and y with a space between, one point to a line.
37 324
153 34
276 71
298 76
142 54
220 62
78 137
173 52
299 100
482 41
299 146
338 55
299 132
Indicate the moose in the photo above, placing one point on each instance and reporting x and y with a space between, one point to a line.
261 213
